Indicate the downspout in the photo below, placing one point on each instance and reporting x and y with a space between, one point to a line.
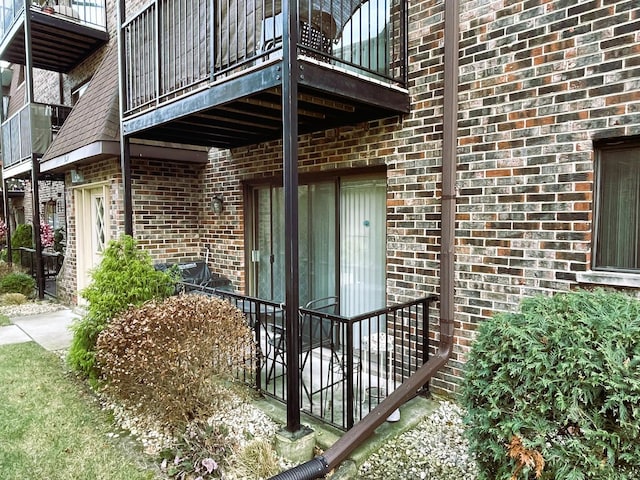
339 451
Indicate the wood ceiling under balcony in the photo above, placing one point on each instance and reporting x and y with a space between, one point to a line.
247 110
58 44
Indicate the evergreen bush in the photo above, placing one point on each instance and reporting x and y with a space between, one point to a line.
17 282
553 391
21 237
171 359
124 277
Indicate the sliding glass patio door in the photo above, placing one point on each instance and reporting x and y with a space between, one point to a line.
341 242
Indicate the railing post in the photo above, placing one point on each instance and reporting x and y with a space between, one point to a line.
425 330
350 372
290 183
157 56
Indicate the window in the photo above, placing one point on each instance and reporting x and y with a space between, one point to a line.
617 240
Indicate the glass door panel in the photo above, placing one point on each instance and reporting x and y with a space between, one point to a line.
341 241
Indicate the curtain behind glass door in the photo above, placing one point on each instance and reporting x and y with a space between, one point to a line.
362 245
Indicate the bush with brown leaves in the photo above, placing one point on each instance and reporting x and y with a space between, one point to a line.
171 359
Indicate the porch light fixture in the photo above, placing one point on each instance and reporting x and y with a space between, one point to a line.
217 205
76 177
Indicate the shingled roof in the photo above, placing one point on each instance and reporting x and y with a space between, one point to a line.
96 116
92 129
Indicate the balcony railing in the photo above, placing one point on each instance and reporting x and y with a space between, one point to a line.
347 364
91 13
30 131
175 46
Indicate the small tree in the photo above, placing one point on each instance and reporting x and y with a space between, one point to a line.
21 237
124 277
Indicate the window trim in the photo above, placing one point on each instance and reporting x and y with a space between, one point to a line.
600 274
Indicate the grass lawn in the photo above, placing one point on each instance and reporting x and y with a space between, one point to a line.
52 428
4 320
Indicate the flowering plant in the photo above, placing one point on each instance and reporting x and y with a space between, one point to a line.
46 235
3 229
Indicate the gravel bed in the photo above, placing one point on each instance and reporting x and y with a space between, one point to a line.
435 449
30 308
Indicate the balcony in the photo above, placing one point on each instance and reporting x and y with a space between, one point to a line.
211 73
29 131
62 35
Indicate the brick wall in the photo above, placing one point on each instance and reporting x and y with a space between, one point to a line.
168 205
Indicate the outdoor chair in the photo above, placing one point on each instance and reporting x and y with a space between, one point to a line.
316 332
315 36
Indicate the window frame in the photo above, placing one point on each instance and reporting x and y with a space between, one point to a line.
608 145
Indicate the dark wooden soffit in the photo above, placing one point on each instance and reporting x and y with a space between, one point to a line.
248 110
58 44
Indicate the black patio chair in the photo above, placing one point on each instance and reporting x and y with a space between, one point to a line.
316 332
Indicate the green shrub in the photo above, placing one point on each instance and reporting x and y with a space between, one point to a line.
21 237
58 240
171 359
124 277
553 391
17 283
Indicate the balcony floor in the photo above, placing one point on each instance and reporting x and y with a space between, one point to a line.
247 109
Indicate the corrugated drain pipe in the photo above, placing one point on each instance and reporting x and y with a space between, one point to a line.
319 466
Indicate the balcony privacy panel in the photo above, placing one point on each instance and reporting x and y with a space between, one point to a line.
184 42
174 46
31 130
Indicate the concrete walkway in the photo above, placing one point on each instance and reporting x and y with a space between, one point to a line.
50 330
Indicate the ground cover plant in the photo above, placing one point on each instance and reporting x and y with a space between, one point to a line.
124 277
553 391
52 428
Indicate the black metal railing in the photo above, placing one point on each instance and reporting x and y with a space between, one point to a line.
90 13
31 130
175 46
347 364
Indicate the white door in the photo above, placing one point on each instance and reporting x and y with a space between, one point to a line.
92 227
